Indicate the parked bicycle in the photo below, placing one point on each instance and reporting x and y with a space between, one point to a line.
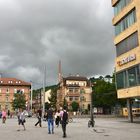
91 123
70 120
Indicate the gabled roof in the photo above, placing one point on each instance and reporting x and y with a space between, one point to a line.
13 82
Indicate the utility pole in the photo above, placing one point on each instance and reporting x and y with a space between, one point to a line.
31 102
91 108
43 96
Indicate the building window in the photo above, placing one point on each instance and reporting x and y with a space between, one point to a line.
127 44
138 74
15 90
120 5
132 76
7 90
128 78
70 98
125 22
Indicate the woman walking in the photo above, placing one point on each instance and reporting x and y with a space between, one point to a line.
3 116
21 119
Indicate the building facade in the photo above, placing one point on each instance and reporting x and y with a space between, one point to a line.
127 39
74 88
10 86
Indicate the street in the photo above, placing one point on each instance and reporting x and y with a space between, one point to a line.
105 129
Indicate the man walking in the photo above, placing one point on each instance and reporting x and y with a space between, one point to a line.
64 120
50 117
39 115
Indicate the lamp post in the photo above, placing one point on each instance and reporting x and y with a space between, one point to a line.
92 108
31 102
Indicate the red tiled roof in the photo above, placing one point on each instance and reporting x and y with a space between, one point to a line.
13 81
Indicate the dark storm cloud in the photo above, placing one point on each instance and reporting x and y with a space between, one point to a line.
34 33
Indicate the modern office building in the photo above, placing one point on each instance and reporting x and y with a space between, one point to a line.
10 86
126 22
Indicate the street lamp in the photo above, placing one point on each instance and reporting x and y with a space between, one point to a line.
91 122
31 102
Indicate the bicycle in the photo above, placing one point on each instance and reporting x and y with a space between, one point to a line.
70 120
91 123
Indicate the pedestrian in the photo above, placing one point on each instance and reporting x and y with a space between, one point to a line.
64 120
50 116
57 118
8 113
21 119
39 116
4 116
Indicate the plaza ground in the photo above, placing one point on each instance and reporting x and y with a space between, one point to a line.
105 129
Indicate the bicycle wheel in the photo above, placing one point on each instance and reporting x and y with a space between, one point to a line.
89 123
70 120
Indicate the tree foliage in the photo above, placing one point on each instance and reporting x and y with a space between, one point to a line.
75 106
19 101
104 93
53 98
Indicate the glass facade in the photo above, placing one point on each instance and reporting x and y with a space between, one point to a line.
127 44
120 5
128 78
126 22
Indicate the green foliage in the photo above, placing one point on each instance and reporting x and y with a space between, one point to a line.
53 98
75 106
104 93
65 103
19 101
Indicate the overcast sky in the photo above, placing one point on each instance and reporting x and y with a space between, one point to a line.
34 33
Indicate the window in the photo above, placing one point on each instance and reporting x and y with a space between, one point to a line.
7 90
71 98
15 90
120 5
138 74
0 90
125 22
127 44
76 90
128 78
132 77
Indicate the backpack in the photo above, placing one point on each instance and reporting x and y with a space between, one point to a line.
65 116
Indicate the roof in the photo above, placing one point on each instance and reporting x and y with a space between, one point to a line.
13 82
76 78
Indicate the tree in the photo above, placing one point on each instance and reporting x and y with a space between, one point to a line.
75 106
53 98
65 103
19 101
105 94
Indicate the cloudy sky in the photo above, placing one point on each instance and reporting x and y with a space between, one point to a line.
35 33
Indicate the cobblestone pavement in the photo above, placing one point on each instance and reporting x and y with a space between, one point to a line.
105 129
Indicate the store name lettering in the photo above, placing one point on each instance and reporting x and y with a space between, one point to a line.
127 59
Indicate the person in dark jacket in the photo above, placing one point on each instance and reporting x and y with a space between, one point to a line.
50 116
39 115
64 120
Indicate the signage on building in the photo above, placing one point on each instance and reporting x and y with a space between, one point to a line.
126 60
